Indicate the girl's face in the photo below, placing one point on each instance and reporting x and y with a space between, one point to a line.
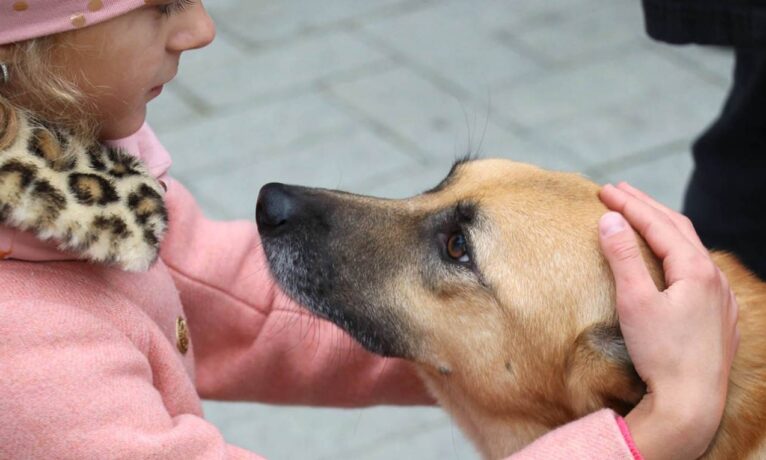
123 63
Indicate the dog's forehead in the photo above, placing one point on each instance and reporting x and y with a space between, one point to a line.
503 188
487 177
466 172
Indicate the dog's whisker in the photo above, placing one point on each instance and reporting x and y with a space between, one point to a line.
478 151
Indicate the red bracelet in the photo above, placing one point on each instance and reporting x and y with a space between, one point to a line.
628 438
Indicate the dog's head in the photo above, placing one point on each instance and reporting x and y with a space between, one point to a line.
493 282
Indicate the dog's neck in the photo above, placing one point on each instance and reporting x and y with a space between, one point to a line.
742 433
494 435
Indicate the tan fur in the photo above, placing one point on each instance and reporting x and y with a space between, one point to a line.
147 206
89 186
520 363
49 146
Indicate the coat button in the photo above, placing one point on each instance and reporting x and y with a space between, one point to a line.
182 335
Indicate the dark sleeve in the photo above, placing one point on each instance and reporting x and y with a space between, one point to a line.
736 23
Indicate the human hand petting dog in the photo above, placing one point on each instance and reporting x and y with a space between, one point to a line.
682 340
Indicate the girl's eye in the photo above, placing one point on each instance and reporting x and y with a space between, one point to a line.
457 248
175 6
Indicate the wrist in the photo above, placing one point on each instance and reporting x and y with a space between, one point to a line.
669 429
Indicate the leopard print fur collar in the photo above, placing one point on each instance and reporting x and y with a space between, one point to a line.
96 201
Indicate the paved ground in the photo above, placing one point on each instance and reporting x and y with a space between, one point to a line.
379 96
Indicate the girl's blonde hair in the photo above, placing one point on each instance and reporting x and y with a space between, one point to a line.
49 95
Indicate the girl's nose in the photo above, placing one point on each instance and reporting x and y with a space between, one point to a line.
195 29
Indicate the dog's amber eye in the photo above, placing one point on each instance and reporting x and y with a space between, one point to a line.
457 248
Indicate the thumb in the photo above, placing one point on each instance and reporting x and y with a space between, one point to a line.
620 247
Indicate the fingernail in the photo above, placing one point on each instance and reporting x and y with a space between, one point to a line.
611 223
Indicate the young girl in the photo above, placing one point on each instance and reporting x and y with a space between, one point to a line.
122 305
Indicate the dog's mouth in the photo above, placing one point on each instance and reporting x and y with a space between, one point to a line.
309 280
309 250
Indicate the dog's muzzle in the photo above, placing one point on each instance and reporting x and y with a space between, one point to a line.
319 249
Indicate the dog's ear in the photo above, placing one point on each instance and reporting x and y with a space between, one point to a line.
601 373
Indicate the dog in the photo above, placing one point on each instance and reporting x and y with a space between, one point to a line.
494 285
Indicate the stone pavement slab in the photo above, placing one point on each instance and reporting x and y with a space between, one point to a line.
433 124
261 24
219 143
603 28
442 42
244 78
646 121
349 159
338 434
572 92
666 175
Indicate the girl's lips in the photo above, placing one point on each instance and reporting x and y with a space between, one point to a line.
156 91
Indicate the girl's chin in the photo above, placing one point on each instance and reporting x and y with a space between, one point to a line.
124 127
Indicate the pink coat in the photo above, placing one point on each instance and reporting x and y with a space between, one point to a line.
96 362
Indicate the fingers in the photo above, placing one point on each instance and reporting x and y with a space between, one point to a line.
656 227
681 222
620 247
625 187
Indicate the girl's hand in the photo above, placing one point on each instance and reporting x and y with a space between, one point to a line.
682 340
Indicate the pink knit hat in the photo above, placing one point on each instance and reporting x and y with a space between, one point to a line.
25 19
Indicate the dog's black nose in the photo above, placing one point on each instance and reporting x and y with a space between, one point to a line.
275 208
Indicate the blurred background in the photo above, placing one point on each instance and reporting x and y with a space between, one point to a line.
380 96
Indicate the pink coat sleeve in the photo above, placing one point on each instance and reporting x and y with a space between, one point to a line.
74 386
599 436
250 341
